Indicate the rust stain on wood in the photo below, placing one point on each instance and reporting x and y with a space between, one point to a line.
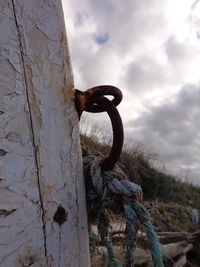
32 98
68 84
63 39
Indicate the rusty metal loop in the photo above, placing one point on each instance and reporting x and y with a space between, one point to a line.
118 133
99 91
86 100
93 100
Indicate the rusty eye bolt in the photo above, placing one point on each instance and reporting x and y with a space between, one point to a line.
94 100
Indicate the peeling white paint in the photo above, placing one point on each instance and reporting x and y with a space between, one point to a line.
42 168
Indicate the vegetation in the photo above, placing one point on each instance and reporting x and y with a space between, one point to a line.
169 201
138 166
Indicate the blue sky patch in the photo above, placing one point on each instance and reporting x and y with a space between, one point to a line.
102 39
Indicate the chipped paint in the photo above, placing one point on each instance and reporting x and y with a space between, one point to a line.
14 137
42 168
2 152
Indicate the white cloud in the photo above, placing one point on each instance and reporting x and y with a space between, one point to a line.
151 50
172 130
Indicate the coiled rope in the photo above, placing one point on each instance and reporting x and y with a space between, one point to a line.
107 190
107 187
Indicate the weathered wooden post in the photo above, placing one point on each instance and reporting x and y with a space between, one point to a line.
42 200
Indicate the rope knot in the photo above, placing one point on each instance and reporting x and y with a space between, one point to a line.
111 190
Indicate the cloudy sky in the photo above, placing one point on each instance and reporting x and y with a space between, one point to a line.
150 49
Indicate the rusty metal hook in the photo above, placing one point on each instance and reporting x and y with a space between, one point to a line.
93 100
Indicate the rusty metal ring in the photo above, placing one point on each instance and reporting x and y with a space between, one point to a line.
85 101
93 100
99 91
118 133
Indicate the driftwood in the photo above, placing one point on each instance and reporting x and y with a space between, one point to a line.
174 244
171 237
181 261
164 238
143 256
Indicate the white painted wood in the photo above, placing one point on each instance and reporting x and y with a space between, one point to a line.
40 158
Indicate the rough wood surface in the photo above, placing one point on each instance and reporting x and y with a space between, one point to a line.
42 205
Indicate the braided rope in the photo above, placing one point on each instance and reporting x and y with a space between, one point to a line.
109 190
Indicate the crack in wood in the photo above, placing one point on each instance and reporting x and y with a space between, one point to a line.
31 120
6 212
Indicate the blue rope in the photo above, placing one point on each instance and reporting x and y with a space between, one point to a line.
114 263
131 232
107 189
151 235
